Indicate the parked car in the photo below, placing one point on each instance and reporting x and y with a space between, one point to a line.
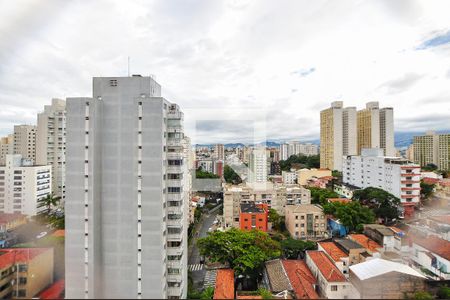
41 235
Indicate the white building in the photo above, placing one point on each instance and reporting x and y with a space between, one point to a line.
51 142
127 201
289 177
219 152
258 166
433 254
284 151
395 175
296 148
25 141
6 147
22 185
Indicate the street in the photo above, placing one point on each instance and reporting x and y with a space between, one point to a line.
197 269
27 232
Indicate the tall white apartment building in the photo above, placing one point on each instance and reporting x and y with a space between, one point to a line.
376 128
22 185
295 148
338 135
395 175
258 166
51 142
126 193
6 147
25 141
219 152
284 151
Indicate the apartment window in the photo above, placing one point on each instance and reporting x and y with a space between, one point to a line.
173 189
173 271
22 280
113 82
22 293
334 288
23 268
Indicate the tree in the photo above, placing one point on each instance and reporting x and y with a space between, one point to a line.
422 295
312 161
384 204
230 175
352 215
265 294
426 189
48 202
199 173
275 219
320 196
430 168
244 251
292 249
208 293
443 292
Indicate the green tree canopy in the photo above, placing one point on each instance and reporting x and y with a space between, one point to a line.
320 196
199 173
312 161
275 219
429 167
230 175
244 251
352 215
292 248
426 189
383 204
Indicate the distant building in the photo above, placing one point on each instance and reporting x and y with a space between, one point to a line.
25 272
219 152
25 141
383 235
332 283
211 166
383 279
11 221
253 216
432 148
296 148
258 167
395 175
6 147
305 221
303 175
22 185
289 177
51 143
370 245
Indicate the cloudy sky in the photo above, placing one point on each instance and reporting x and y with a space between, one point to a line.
234 66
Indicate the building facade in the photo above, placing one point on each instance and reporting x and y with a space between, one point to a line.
219 152
25 141
6 147
258 166
395 175
127 201
253 217
432 148
22 185
51 142
305 221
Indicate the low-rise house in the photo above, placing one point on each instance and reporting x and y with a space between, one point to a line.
331 282
382 235
305 221
372 247
289 177
383 279
224 287
356 253
253 216
303 175
25 272
302 280
433 254
336 254
291 278
345 190
401 242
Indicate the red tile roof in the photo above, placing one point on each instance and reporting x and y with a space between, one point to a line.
365 242
55 291
436 245
326 266
340 200
430 180
301 278
6 218
333 251
249 297
9 257
224 288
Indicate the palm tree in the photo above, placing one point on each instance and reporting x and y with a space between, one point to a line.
48 202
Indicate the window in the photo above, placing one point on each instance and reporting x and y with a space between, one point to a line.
173 271
22 280
23 268
22 293
334 288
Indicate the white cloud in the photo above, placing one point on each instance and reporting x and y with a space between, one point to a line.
233 54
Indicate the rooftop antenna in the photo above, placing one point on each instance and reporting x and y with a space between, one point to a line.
128 69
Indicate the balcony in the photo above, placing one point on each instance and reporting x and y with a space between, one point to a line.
177 222
173 142
175 237
175 209
174 251
174 114
174 291
174 169
174 197
174 155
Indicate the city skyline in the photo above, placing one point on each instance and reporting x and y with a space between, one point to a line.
217 55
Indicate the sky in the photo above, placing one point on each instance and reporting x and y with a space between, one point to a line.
234 67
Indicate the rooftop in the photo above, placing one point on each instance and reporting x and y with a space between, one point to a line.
304 208
224 288
333 250
366 242
347 244
55 291
326 267
251 208
377 267
436 245
301 278
383 230
277 276
340 200
19 255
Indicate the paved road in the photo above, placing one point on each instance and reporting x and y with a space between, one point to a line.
197 270
27 232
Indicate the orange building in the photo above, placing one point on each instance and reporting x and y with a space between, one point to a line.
253 216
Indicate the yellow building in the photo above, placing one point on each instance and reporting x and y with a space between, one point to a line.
432 148
24 272
305 221
303 175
